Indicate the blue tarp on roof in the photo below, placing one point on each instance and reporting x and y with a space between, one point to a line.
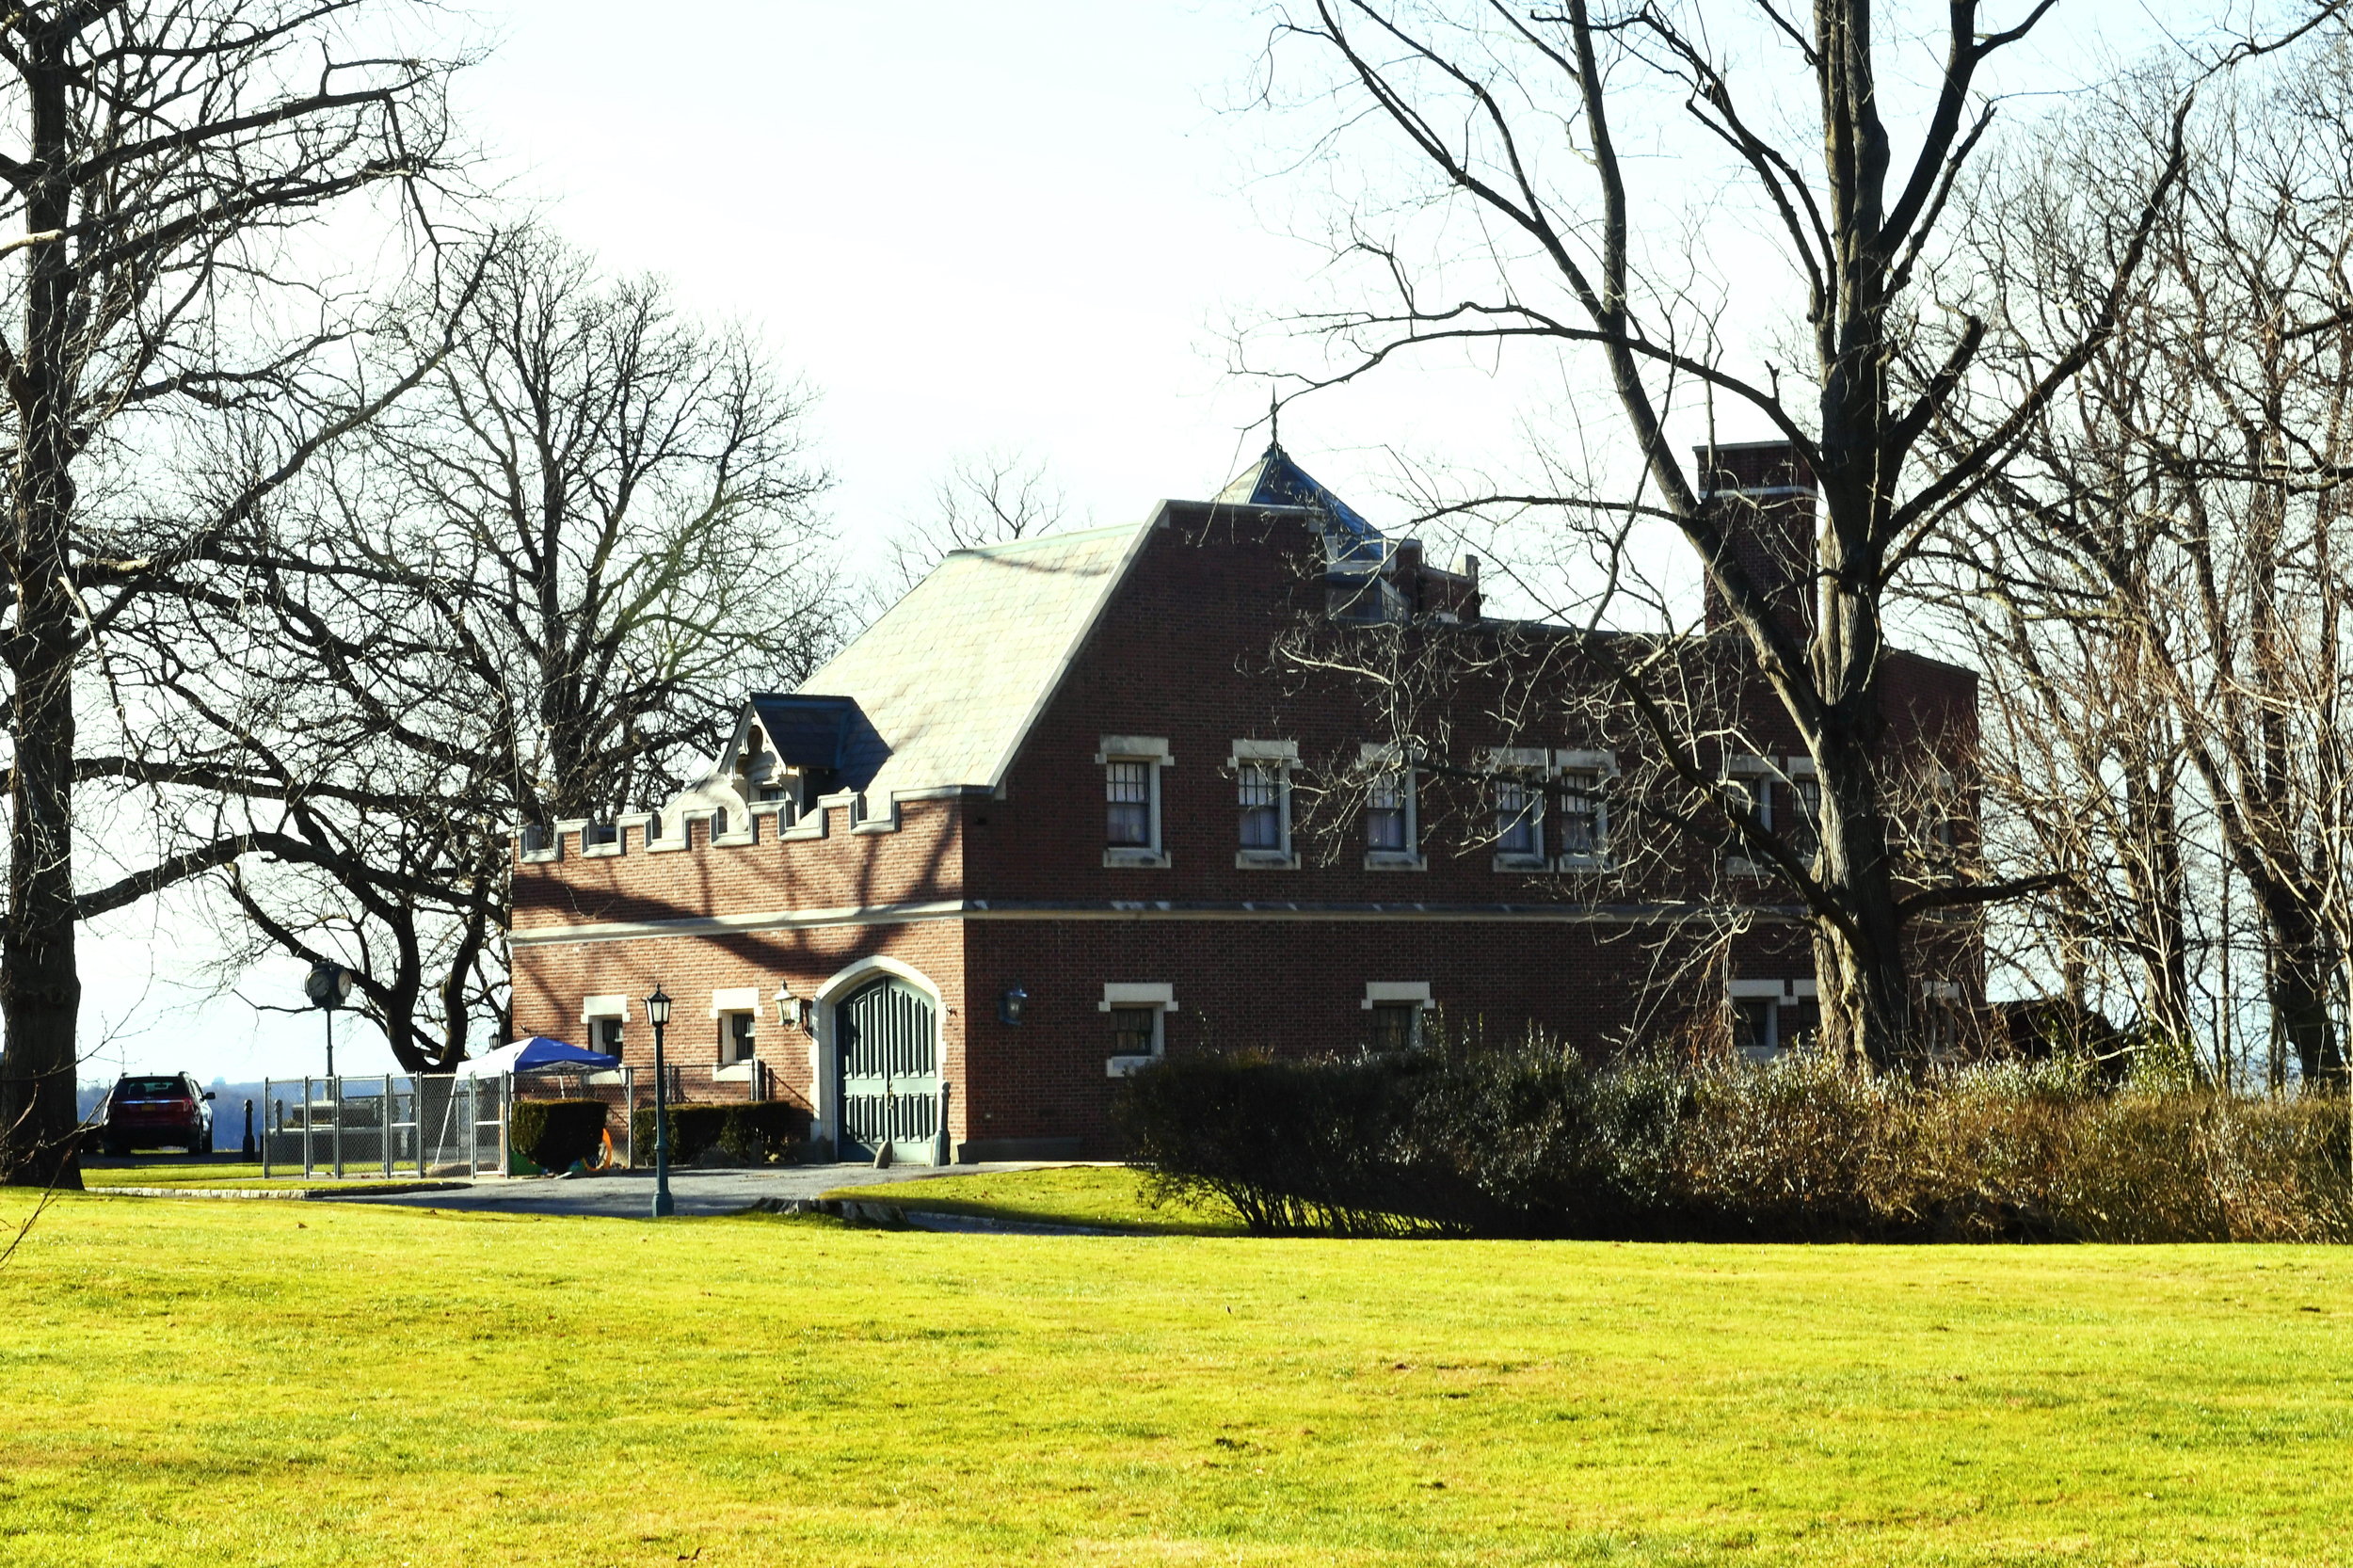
1277 481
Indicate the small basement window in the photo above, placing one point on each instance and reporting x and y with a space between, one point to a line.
1396 1027
1137 1016
1135 1030
1756 1026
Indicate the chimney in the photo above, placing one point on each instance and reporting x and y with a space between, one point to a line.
1762 493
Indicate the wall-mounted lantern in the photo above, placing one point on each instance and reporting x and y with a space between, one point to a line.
1010 1003
792 1011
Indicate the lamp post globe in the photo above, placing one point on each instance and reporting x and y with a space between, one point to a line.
658 1015
328 987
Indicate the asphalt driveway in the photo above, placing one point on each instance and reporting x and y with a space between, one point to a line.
630 1194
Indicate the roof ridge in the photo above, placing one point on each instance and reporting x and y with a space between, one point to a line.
1002 545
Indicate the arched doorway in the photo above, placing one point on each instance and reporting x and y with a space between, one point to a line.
887 1042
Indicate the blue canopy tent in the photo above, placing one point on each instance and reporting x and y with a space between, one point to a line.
537 1053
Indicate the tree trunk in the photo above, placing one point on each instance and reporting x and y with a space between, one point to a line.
2302 971
41 989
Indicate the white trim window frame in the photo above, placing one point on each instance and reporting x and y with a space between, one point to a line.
1125 1000
1131 767
1392 810
1751 776
1516 798
1262 787
736 1010
607 1018
1412 996
1755 1006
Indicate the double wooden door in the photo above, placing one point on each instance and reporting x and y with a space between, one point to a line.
887 1038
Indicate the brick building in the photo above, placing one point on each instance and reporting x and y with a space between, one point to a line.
1048 819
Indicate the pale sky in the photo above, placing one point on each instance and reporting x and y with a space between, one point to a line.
1022 226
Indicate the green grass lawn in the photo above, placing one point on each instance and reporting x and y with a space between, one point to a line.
1095 1195
199 1383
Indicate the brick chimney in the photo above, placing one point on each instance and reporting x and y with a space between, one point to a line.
1762 494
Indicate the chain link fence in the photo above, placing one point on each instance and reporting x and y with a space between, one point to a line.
447 1126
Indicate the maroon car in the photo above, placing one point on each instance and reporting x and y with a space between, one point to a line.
143 1113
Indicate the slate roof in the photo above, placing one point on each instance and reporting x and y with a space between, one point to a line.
951 678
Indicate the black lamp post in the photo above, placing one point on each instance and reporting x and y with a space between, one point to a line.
658 1015
328 987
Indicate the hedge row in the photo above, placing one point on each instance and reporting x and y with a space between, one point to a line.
1533 1140
762 1132
552 1134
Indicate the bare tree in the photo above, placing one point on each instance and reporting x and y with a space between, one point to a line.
535 589
1517 120
990 498
163 382
2188 559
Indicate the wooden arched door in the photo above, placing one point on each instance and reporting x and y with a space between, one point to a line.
887 1038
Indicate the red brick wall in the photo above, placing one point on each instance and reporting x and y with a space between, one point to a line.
923 861
551 981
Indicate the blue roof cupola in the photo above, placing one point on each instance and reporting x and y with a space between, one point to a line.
1274 480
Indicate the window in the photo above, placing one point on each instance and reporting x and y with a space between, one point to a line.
739 1038
1519 820
1131 799
1584 817
1135 1030
1756 1027
1941 1020
1802 828
1385 829
1396 1025
604 1034
1128 788
1138 1016
1394 1010
1261 787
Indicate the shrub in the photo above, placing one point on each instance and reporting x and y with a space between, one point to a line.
760 1132
553 1133
1532 1140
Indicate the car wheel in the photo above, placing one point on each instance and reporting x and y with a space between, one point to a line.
208 1141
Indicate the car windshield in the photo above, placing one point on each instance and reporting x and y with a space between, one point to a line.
151 1088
